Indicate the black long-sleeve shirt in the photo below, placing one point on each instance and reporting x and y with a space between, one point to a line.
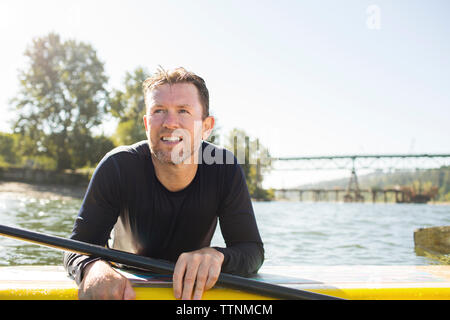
124 196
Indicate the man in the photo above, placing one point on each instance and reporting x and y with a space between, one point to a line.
162 198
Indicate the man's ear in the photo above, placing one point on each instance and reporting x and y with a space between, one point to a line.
207 127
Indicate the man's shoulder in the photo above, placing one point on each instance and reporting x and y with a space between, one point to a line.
122 156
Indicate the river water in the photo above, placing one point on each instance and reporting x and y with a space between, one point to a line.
294 233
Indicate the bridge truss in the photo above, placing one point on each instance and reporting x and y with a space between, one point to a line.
362 161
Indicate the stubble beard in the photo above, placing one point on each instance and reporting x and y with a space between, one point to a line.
183 153
168 158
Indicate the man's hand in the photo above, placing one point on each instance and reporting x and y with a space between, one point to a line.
102 282
195 272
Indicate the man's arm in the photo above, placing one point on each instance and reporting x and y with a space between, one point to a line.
98 214
244 252
242 259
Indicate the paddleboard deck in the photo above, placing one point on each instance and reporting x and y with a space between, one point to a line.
348 282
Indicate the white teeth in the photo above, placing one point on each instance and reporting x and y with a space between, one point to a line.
171 138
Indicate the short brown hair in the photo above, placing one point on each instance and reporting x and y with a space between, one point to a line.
179 75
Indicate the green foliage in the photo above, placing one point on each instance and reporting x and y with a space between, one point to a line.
39 162
129 107
8 153
94 150
420 180
100 146
254 159
129 132
62 97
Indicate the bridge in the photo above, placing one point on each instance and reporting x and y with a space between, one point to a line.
364 161
353 193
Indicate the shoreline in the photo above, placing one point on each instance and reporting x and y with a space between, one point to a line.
55 191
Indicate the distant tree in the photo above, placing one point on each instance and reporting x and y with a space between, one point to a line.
100 146
444 184
254 159
62 97
129 107
8 152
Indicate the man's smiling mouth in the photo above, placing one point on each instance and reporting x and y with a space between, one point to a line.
171 139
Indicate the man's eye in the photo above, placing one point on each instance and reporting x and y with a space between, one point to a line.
183 111
158 111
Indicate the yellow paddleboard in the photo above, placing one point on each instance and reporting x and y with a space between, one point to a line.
348 282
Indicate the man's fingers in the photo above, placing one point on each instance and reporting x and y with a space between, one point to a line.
190 277
202 277
213 276
178 275
196 272
129 293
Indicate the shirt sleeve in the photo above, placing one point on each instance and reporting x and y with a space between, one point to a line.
97 216
244 252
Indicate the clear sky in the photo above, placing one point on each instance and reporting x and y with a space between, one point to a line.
306 77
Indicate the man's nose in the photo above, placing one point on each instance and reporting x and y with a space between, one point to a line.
170 120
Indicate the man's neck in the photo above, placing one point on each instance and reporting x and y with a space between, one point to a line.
174 177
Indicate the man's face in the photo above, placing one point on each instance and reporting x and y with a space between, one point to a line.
174 124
